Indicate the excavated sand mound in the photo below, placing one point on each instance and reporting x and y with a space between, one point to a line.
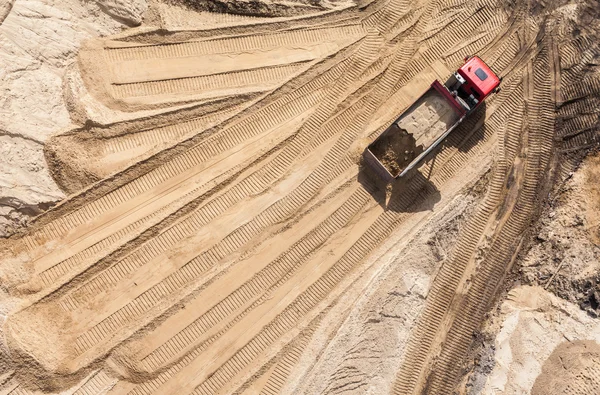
572 368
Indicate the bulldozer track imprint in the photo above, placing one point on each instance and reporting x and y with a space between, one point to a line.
217 231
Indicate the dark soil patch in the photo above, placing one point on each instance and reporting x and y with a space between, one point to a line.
396 148
585 292
251 7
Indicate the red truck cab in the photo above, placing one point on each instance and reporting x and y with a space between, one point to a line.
473 82
480 79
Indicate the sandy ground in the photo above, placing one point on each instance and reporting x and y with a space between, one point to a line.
40 39
366 349
565 256
544 337
545 345
221 234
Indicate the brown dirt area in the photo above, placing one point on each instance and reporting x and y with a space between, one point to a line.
565 256
592 198
183 208
572 367
563 260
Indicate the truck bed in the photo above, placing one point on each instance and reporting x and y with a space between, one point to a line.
428 120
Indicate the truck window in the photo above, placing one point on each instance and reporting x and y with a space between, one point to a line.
481 74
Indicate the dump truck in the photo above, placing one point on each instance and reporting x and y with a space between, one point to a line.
430 119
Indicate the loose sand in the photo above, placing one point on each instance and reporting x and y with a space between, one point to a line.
40 39
544 346
220 235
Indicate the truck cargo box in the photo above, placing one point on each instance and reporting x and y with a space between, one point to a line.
412 135
429 120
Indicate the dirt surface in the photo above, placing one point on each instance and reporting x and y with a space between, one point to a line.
40 39
560 313
565 255
220 237
541 344
573 367
591 196
367 348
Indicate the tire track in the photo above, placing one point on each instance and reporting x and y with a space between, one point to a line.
59 227
256 289
252 80
99 382
171 133
412 377
116 51
310 184
277 376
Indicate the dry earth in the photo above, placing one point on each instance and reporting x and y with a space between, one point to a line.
39 40
554 318
219 234
543 345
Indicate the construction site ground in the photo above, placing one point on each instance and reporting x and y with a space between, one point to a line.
184 208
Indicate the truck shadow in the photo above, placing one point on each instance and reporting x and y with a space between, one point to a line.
468 134
405 195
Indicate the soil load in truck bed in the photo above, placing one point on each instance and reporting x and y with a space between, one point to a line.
417 128
396 149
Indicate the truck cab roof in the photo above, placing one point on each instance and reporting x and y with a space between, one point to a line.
480 79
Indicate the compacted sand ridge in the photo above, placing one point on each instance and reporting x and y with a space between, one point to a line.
184 209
